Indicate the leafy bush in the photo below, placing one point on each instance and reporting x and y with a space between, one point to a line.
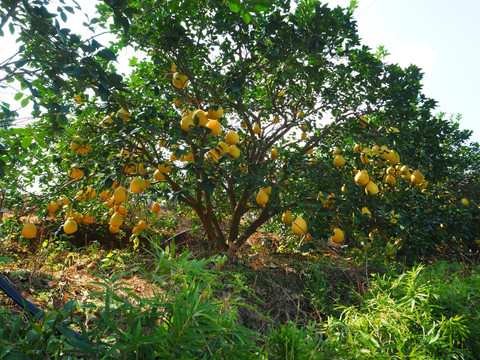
423 313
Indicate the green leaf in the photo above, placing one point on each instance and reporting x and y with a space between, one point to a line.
234 5
246 17
18 96
260 8
5 259
107 54
26 142
24 102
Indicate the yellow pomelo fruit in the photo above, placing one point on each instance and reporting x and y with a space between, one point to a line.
394 158
303 136
234 151
88 219
122 210
136 230
142 225
366 212
274 154
390 170
215 112
214 154
390 179
158 175
165 167
116 219
384 152
256 128
137 185
336 151
52 207
107 121
189 157
299 226
375 149
465 202
416 177
89 193
357 148
362 178
223 147
79 145
276 120
180 80
215 126
268 190
338 160
105 195
309 151
123 114
113 229
186 122
120 194
156 208
75 173
232 138
29 230
70 226
262 198
371 188
338 236
287 217
64 201
200 117
161 143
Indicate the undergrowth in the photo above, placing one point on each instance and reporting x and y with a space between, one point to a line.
425 312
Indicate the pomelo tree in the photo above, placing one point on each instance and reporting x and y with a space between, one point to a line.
236 109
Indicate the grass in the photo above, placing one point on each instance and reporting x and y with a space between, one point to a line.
186 304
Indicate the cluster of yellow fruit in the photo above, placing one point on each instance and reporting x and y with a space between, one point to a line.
299 227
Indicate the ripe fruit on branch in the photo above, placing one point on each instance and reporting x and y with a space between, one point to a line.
120 194
215 112
29 231
234 151
362 178
78 145
137 185
299 226
232 138
180 80
70 226
75 173
371 188
156 208
287 217
200 117
417 177
262 198
116 219
338 160
215 126
338 236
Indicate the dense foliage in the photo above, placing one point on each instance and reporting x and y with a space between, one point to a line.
289 83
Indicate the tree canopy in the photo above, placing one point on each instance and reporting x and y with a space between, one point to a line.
290 82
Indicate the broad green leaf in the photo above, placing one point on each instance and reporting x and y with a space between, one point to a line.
24 102
107 54
26 141
246 17
234 5
18 96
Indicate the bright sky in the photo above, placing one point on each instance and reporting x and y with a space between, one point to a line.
441 37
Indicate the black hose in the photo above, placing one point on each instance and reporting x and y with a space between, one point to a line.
15 295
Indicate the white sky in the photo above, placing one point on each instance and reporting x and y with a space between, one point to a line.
440 36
